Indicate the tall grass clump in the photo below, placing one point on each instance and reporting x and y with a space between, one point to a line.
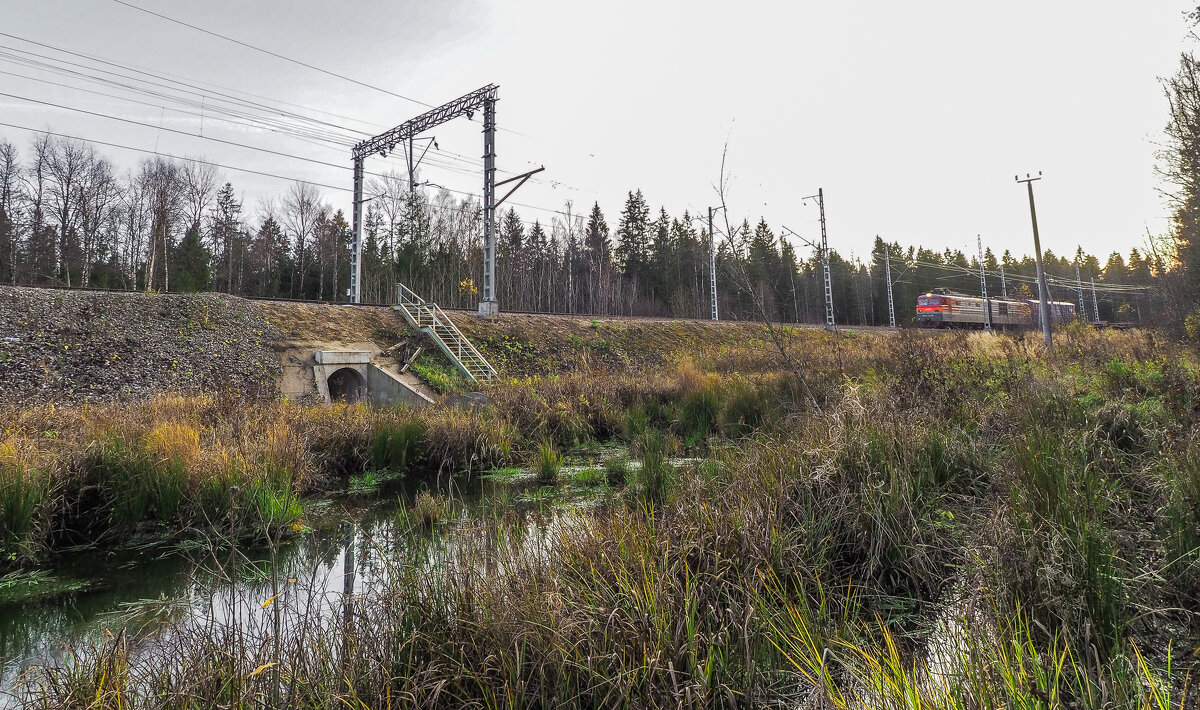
1059 558
746 409
396 445
22 492
655 479
699 413
616 471
547 463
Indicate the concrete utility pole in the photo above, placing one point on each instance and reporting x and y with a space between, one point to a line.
887 268
1095 303
987 304
1079 292
712 263
1043 290
1003 282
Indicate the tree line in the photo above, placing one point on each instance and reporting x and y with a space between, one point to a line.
68 217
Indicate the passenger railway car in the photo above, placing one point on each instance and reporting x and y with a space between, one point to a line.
942 309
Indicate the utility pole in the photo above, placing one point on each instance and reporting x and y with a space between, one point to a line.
887 268
987 304
1043 290
1003 282
488 306
412 187
1095 303
356 241
1079 292
830 323
712 263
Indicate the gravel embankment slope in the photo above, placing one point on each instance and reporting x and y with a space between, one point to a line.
79 346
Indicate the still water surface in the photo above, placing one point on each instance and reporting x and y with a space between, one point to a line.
93 594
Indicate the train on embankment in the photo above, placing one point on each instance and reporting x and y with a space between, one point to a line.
940 308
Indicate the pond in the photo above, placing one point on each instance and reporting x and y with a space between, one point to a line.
352 543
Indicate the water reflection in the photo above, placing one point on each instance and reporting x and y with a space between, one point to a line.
358 544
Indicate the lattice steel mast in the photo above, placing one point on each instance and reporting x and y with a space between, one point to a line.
830 323
712 263
887 269
1079 291
987 304
481 99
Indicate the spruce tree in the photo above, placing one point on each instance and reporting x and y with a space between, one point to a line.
190 263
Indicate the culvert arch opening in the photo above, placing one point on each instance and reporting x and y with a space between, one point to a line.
347 385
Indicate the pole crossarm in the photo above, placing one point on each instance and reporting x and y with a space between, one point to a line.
522 177
462 106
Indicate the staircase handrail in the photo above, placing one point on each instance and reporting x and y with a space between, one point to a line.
437 316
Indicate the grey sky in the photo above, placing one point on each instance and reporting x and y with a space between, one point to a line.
914 117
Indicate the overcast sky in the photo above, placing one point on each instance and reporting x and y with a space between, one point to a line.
913 117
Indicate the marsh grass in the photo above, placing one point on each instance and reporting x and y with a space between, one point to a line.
957 523
616 471
655 479
396 445
428 509
22 491
546 463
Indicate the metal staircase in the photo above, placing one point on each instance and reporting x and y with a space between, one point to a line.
427 318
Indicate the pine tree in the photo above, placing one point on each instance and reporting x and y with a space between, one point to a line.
510 269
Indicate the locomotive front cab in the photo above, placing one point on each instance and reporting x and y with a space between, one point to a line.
931 310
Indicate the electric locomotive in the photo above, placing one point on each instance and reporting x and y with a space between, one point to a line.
944 309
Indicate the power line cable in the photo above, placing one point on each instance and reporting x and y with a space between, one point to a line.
273 54
200 91
195 89
176 131
176 157
213 115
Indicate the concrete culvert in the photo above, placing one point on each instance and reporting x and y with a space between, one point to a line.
346 385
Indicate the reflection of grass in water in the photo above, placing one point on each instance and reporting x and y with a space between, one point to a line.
25 587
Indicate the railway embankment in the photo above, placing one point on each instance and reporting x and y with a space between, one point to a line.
78 346
87 346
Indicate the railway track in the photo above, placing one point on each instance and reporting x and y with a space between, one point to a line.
319 302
